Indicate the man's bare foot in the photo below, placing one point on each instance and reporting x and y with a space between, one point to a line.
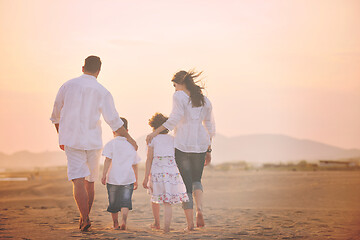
80 222
85 225
200 219
123 226
155 226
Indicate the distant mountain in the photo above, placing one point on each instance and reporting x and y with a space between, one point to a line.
269 148
254 149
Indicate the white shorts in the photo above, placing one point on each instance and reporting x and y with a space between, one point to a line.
83 163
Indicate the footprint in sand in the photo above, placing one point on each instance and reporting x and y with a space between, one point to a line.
289 226
242 233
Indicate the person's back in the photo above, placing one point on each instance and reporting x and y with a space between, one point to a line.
76 116
162 177
163 145
80 125
193 126
123 157
120 176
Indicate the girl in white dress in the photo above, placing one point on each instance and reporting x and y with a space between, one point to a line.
162 177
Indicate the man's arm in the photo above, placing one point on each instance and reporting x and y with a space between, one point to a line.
58 104
123 132
57 129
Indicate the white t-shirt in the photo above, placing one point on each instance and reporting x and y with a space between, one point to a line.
77 108
123 156
194 126
163 145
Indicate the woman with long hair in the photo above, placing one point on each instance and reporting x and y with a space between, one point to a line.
192 120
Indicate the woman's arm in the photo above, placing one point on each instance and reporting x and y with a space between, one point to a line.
106 169
209 121
150 137
149 160
177 113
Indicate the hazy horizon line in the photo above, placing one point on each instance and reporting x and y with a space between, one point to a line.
218 134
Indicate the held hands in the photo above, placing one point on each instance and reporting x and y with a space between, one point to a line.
207 159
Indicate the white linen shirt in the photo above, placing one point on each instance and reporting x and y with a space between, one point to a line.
77 108
123 156
194 126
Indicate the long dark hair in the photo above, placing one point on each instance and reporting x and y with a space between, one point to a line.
187 78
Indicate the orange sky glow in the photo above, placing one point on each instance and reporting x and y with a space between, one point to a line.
278 67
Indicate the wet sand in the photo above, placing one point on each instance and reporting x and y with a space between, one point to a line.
238 205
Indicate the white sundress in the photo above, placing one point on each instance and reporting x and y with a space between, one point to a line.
165 183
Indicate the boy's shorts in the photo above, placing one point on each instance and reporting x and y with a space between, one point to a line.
83 163
119 197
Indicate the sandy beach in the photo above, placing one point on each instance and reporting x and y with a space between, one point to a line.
238 205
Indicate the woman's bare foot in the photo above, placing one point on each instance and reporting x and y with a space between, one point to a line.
189 228
116 225
166 229
123 226
200 219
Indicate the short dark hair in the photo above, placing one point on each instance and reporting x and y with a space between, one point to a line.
92 64
157 120
125 123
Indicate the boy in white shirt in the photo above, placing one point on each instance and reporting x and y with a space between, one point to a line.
120 175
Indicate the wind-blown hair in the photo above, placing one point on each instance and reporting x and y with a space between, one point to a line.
187 78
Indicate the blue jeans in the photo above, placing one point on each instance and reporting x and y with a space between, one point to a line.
119 197
191 166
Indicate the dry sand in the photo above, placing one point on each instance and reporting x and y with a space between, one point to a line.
238 205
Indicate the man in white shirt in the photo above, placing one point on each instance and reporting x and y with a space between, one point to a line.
76 115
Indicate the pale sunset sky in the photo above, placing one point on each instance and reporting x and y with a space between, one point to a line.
272 67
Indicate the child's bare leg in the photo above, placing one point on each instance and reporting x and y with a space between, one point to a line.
115 220
156 213
198 195
167 217
124 213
